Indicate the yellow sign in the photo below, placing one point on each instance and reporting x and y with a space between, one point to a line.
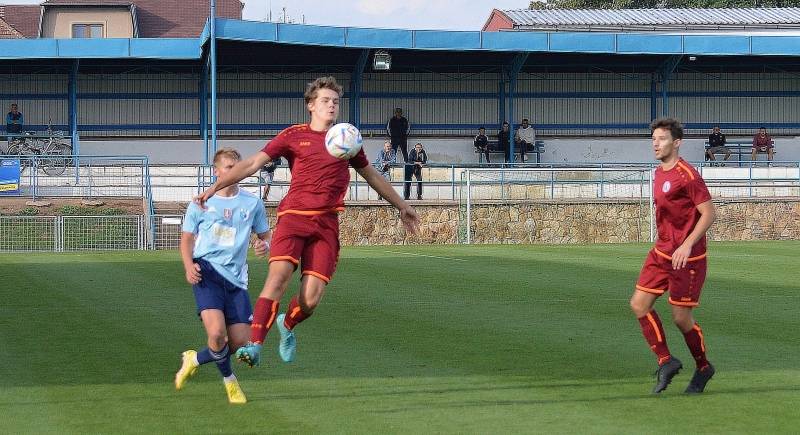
7 187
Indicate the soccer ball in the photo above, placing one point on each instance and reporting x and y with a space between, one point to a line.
343 141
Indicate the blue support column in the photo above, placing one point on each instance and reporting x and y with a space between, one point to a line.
203 96
355 88
653 98
213 52
666 70
516 67
501 100
73 115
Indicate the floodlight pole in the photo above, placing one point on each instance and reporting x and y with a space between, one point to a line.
213 55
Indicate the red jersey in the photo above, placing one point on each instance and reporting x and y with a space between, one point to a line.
677 192
319 180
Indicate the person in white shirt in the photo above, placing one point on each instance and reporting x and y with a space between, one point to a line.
525 135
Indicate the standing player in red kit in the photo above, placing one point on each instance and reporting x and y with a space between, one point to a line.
677 263
307 231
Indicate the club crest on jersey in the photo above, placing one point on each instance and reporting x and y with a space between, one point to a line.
243 213
666 186
228 214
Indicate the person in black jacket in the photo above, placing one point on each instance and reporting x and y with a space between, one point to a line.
417 159
504 140
398 128
481 143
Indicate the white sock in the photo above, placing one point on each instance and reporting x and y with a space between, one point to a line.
231 378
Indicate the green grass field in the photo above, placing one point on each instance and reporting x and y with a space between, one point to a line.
467 339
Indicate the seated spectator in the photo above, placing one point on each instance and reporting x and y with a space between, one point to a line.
386 158
762 143
716 145
525 136
14 121
504 139
481 143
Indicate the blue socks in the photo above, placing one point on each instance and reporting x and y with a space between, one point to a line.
221 357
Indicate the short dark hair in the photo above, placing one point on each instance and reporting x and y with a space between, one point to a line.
762 128
673 125
481 128
525 120
321 83
505 122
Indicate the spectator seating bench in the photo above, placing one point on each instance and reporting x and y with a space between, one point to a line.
739 148
537 148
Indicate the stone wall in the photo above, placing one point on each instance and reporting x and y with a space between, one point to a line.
562 222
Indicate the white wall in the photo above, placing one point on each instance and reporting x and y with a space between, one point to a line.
449 151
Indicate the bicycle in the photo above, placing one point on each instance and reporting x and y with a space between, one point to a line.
49 153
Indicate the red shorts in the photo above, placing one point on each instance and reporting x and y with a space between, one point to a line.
312 241
684 285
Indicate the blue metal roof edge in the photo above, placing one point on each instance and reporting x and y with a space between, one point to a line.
107 48
440 40
562 42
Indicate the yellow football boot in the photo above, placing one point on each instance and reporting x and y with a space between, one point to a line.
188 369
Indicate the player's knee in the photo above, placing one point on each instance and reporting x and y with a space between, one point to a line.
638 307
217 340
683 320
308 305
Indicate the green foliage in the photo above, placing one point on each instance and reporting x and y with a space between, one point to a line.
409 339
80 210
650 4
29 211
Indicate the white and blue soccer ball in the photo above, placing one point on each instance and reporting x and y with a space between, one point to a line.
343 141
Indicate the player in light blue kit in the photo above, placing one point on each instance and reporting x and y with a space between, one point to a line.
214 247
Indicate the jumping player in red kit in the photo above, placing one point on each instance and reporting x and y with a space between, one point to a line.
307 231
677 262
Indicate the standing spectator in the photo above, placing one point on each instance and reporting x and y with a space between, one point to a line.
525 136
14 120
417 159
481 143
268 174
386 158
762 143
716 144
398 128
504 140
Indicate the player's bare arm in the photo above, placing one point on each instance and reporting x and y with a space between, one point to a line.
190 268
237 173
707 216
407 214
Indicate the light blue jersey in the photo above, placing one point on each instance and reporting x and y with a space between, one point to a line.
222 232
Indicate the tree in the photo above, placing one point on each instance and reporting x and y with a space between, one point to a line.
651 4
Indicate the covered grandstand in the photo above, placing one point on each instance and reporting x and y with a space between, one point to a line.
580 87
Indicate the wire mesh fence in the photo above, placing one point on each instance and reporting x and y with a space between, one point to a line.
72 233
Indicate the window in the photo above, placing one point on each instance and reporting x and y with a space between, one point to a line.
87 30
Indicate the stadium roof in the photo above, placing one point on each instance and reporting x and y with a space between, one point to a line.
645 19
285 46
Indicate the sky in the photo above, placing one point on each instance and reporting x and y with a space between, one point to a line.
393 14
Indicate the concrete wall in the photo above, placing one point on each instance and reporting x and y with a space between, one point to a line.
445 151
117 22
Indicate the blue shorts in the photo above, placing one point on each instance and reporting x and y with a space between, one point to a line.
217 293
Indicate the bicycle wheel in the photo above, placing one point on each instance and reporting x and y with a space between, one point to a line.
13 148
54 162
